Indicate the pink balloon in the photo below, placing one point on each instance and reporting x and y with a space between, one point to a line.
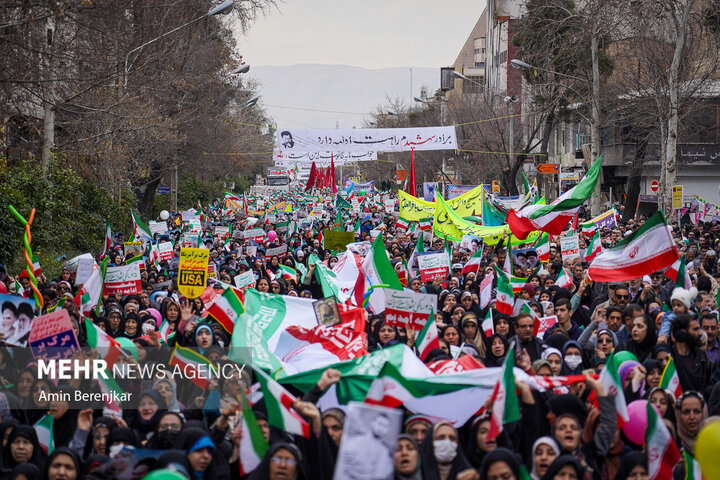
272 235
634 429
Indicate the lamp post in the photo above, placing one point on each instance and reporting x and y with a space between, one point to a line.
224 7
241 69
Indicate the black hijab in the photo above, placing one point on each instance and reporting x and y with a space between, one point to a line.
65 426
630 461
560 462
29 470
643 349
490 359
38 456
218 468
262 472
429 463
70 453
175 460
143 427
501 454
106 422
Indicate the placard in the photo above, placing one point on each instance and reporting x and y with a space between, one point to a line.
157 227
222 230
257 234
433 265
389 205
72 264
570 247
132 249
124 280
165 250
190 240
211 270
17 318
280 251
677 197
192 271
195 225
84 270
337 241
546 323
408 309
250 250
52 336
245 279
188 215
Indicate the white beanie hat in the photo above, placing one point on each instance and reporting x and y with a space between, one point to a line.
684 296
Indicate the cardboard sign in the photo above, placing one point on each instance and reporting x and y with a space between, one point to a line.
52 336
17 319
244 280
132 249
211 270
337 241
222 230
72 264
257 234
165 250
84 270
193 271
389 205
195 225
570 248
190 240
157 227
280 251
124 280
188 215
317 211
546 324
434 265
408 309
251 250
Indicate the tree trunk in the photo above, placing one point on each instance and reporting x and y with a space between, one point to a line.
595 124
146 200
633 182
49 98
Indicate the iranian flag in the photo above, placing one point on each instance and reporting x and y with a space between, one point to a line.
107 387
88 296
402 223
506 405
378 271
140 229
473 264
485 290
428 337
563 280
226 309
554 218
661 449
692 467
649 249
610 378
44 431
425 224
678 274
349 278
594 248
324 276
412 262
165 331
190 361
543 247
278 403
288 273
488 327
107 347
37 269
253 445
504 297
108 238
670 379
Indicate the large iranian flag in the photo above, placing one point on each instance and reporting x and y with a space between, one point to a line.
140 229
506 404
662 452
278 403
226 309
647 250
554 218
678 274
324 276
349 278
378 271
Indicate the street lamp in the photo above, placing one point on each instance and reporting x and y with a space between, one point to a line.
224 7
252 101
520 65
241 69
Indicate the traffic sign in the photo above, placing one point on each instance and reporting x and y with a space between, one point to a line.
496 186
548 168
677 197
654 186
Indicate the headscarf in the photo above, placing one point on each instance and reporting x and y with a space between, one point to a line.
545 440
566 370
203 326
106 422
143 427
174 460
501 454
38 456
192 439
644 348
429 463
473 453
174 405
568 404
630 461
560 462
687 439
417 474
262 472
70 453
122 434
29 470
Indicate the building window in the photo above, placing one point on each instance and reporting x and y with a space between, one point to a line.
475 85
700 125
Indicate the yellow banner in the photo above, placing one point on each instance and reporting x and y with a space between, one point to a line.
413 208
468 204
192 274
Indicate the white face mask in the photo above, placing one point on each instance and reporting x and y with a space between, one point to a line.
573 361
444 450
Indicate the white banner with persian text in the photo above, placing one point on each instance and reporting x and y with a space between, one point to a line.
321 159
367 139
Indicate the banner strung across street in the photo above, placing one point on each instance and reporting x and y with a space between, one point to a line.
286 158
367 139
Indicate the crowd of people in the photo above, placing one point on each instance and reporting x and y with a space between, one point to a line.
570 432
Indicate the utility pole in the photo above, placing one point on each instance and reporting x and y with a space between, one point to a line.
174 189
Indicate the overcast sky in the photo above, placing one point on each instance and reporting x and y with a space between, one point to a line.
368 33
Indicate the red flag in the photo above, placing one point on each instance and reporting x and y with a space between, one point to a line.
332 177
311 177
412 187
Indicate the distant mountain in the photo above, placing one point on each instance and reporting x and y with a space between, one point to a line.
336 88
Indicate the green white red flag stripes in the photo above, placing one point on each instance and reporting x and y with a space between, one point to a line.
378 271
563 280
670 379
488 327
553 218
324 276
44 431
692 467
110 389
594 248
678 274
661 450
226 309
543 247
412 262
402 223
649 249
106 346
485 290
190 362
349 278
37 269
140 229
504 297
278 403
428 338
425 224
108 239
288 273
473 264
610 378
506 404
253 445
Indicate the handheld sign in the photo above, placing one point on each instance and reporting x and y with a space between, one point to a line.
434 265
192 275
125 280
52 336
